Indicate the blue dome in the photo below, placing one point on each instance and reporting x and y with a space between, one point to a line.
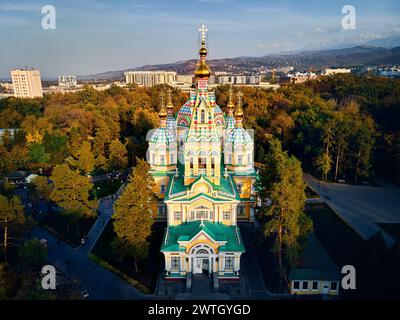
230 122
238 136
163 135
171 123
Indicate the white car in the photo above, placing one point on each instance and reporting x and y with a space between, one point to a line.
84 294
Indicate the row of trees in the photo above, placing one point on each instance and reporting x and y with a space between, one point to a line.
105 130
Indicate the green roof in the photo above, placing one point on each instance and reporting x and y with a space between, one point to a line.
216 231
315 263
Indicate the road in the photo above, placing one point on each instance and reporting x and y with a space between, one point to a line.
101 283
362 207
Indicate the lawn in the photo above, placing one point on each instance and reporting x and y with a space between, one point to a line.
67 229
149 268
105 188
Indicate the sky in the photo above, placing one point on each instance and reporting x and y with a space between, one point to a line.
93 36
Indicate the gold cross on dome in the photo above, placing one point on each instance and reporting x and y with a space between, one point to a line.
162 98
203 31
239 95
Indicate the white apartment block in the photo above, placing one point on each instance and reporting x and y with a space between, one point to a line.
27 83
67 81
150 78
336 71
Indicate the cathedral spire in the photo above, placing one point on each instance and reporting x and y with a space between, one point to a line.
163 112
239 111
170 106
203 71
230 106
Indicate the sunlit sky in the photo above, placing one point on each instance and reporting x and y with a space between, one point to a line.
95 36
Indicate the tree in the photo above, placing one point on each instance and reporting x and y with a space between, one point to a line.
132 216
323 164
83 160
71 191
42 186
11 215
6 282
118 155
287 224
37 153
33 255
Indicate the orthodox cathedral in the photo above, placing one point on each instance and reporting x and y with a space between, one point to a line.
202 163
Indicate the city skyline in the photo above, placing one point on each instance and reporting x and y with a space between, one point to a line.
99 36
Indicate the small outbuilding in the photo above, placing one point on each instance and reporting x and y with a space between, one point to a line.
317 273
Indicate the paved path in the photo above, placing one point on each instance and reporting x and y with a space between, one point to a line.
362 207
101 283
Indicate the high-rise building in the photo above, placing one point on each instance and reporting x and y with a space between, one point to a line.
67 81
150 78
27 83
202 164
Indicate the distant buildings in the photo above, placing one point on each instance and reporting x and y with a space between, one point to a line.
389 72
336 71
150 78
67 81
27 83
300 77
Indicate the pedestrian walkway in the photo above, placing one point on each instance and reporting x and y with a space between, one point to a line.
362 207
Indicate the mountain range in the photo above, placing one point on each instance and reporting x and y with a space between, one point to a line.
375 52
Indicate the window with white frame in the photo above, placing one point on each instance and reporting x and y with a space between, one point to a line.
227 215
172 158
304 285
240 187
249 158
315 285
175 261
177 215
229 263
333 286
239 159
296 285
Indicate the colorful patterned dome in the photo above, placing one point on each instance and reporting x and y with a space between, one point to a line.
171 123
218 116
163 135
238 136
184 116
230 122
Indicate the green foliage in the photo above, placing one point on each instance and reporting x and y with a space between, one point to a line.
33 255
82 159
71 192
37 153
11 219
282 181
132 216
118 155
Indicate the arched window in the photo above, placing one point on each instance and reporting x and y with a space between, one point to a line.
202 116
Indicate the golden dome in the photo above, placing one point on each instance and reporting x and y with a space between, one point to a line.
203 71
203 51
